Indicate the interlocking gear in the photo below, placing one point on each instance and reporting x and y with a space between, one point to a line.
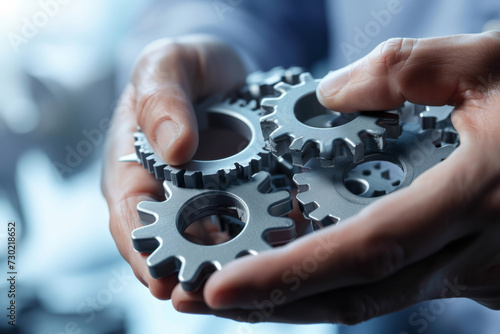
238 116
166 221
287 126
325 197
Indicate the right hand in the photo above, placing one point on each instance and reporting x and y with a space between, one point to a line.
168 77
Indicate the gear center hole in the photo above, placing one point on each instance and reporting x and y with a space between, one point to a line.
212 224
221 136
374 178
310 112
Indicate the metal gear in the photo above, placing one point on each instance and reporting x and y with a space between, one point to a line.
237 116
326 198
166 221
328 134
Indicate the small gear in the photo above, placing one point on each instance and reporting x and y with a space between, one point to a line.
260 84
237 116
289 127
166 221
326 196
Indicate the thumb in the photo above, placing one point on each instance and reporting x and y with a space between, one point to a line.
432 71
168 78
163 96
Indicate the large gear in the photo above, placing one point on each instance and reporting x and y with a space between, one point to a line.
328 134
326 198
165 222
237 116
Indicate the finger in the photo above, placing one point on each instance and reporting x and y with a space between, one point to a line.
169 76
384 238
433 71
422 281
124 185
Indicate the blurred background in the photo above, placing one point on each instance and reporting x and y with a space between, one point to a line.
62 67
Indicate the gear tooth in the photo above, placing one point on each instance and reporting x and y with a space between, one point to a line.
144 233
159 170
282 87
280 203
252 105
283 230
148 207
307 202
192 276
261 179
191 179
157 257
268 104
144 239
306 77
355 147
243 171
427 122
297 144
279 133
300 180
167 174
162 263
269 118
177 177
151 162
324 219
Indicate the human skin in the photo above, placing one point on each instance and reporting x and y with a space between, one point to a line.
404 248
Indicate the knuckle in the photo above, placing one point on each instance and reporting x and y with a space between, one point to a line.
394 53
162 48
145 103
492 36
379 259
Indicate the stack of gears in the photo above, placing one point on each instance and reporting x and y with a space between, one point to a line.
338 163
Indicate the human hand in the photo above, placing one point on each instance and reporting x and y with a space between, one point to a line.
168 77
411 245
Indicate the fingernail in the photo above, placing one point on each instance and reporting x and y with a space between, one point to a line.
166 134
333 82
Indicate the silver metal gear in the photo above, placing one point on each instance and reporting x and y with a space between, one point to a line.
165 222
324 196
287 126
237 116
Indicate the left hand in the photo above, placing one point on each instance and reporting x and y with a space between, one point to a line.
411 245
